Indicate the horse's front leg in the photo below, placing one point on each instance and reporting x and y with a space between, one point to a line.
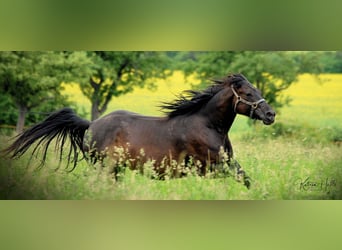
239 174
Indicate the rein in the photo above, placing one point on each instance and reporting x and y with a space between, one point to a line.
254 105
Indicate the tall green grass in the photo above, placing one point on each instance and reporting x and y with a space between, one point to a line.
280 169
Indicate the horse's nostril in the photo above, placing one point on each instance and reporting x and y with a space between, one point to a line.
270 114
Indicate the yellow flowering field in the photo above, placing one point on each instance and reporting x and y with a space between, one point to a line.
317 102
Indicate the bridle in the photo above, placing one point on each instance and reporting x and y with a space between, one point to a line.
254 105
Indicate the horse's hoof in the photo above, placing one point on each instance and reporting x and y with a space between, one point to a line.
247 183
242 177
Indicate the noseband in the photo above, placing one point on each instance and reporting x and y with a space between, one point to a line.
254 105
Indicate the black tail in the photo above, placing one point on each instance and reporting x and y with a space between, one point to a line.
59 125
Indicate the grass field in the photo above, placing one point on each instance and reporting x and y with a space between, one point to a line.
299 157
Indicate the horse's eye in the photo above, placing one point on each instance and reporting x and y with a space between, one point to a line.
249 94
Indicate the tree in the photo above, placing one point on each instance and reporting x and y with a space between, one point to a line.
206 65
32 80
332 61
8 113
103 75
270 72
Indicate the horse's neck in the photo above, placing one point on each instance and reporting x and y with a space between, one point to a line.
220 110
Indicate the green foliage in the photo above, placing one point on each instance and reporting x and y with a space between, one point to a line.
305 133
310 61
271 72
334 134
206 65
331 61
31 81
8 113
30 77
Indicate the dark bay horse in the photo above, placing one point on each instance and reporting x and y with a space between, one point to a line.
196 125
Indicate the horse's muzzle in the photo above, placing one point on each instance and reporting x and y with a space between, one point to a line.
265 113
269 117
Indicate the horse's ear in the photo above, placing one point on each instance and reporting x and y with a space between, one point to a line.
231 79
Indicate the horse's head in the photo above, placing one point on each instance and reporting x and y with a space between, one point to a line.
248 101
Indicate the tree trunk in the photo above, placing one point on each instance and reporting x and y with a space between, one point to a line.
95 102
95 112
21 118
100 96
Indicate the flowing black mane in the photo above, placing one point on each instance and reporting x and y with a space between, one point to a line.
191 101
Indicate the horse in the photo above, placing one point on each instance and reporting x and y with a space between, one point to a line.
195 125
